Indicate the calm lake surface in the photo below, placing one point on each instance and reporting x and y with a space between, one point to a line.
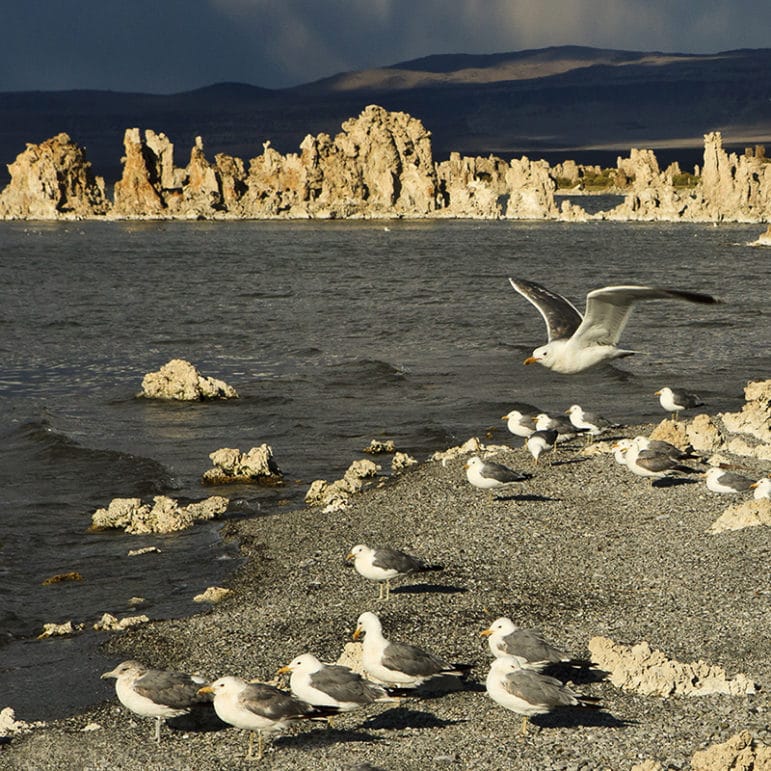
333 333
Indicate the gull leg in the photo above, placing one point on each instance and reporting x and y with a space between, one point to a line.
380 590
158 730
260 746
525 723
249 754
387 589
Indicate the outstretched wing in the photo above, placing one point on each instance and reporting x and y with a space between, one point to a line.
561 316
608 309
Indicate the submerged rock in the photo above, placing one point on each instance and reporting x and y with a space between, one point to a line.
651 673
180 380
164 515
231 466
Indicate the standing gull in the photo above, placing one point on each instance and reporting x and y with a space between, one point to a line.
507 639
331 685
590 422
540 441
527 692
488 475
721 481
519 419
157 693
259 707
675 400
395 663
562 425
383 563
578 342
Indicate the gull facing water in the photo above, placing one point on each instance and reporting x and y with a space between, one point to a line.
577 342
675 400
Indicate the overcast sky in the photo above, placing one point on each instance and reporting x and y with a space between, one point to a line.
166 46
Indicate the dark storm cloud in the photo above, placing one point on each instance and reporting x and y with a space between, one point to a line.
172 45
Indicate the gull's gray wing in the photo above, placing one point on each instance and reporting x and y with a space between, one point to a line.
531 646
345 685
561 316
500 473
393 559
538 689
174 689
608 309
655 461
737 481
272 703
402 657
686 398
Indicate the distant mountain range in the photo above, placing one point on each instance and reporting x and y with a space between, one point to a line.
564 102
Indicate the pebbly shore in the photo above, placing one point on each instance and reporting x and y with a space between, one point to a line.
582 549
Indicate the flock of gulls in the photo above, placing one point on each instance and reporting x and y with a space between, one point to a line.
520 677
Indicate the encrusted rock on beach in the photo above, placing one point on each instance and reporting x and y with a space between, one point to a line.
164 515
336 495
110 623
9 725
180 380
233 466
741 752
651 673
746 514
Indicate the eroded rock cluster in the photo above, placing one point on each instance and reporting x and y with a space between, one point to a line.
230 466
163 515
379 165
649 672
336 495
179 380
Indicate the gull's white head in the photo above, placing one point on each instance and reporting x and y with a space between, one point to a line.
762 488
359 549
620 449
574 409
367 622
505 665
474 462
126 670
544 354
306 662
499 628
224 686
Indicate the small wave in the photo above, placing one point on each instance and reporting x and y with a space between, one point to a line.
371 370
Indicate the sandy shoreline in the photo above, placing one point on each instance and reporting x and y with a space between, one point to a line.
582 549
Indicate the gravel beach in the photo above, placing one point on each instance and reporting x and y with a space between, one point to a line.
584 548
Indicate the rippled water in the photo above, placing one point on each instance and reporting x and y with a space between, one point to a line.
333 333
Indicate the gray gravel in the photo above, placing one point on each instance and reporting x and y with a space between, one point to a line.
585 548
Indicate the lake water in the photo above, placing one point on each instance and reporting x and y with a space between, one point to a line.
333 333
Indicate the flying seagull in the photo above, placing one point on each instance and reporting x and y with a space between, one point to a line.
381 564
157 693
578 342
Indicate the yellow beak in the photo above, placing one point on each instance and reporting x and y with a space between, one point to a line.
530 360
205 689
357 633
284 670
485 632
